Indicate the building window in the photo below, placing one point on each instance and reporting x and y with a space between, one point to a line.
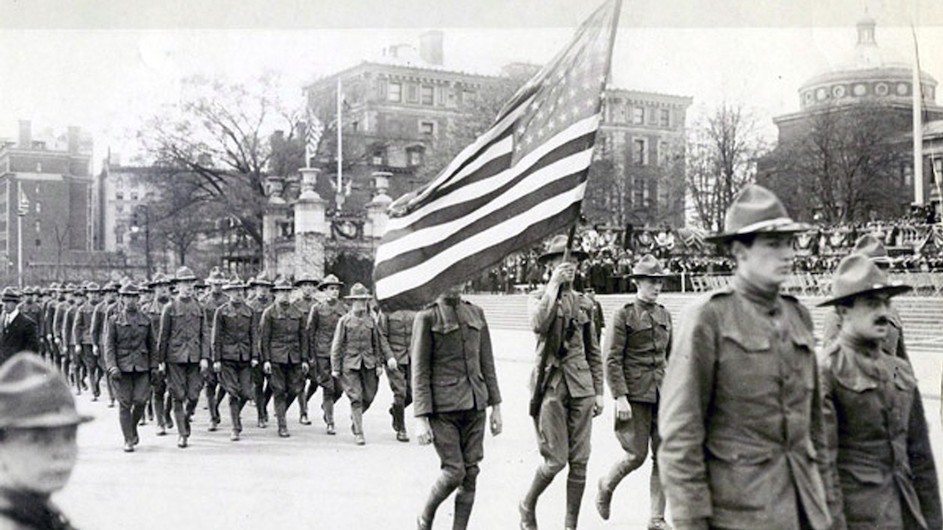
39 242
394 92
664 118
468 96
378 155
39 167
618 112
662 154
119 235
134 195
119 195
38 226
414 156
652 117
638 115
412 93
355 126
639 153
119 208
39 207
427 128
427 95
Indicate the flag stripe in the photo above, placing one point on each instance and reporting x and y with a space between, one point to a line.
479 199
435 245
512 233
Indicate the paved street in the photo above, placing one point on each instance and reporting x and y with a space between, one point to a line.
316 481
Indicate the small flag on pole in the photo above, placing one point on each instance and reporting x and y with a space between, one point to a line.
314 129
519 182
24 205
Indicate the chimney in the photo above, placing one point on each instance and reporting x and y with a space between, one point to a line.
26 135
74 139
430 47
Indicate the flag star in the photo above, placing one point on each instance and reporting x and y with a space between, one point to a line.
552 122
573 92
529 139
541 132
518 147
535 104
540 114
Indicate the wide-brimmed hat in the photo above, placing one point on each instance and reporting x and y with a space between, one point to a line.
282 285
110 287
34 394
160 279
69 288
28 290
9 294
330 280
216 277
873 248
306 277
92 287
648 267
260 281
557 247
359 292
756 210
184 274
129 290
233 284
857 275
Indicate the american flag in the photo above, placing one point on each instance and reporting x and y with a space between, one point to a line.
313 132
519 182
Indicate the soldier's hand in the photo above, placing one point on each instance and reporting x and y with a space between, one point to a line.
392 364
49 338
563 273
336 375
425 431
253 363
113 372
77 348
497 425
161 368
305 367
204 365
95 350
217 367
599 406
623 409
58 342
267 368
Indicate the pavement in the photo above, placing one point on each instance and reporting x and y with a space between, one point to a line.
313 480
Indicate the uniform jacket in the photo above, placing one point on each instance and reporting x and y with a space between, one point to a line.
49 316
878 445
304 305
234 330
893 343
182 333
282 335
82 324
35 313
130 344
17 336
58 314
25 511
100 320
396 329
740 415
322 322
452 360
581 360
68 320
258 305
357 344
211 302
639 343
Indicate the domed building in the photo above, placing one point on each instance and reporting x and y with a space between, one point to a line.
858 113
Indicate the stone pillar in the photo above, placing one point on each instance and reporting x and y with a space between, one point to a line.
274 210
311 226
377 209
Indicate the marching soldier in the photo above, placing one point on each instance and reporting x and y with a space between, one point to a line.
63 307
307 284
396 330
357 356
740 415
454 382
131 356
82 340
68 344
32 308
213 300
259 300
99 321
882 473
182 348
635 366
160 395
320 328
56 297
893 342
284 351
234 351
567 382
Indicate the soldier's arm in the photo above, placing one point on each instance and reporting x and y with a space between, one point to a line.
254 336
215 338
541 309
204 336
683 417
337 345
487 363
166 328
593 352
111 360
303 341
615 354
32 340
828 450
57 321
421 353
96 325
901 350
151 345
311 327
76 331
670 336
265 335
926 482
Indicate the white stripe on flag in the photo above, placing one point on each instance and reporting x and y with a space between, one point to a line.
414 277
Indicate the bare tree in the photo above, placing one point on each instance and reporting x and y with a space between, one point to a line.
722 151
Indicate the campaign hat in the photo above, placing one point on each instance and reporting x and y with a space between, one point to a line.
756 210
857 275
648 267
873 248
330 280
359 292
33 394
557 247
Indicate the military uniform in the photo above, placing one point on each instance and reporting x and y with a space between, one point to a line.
284 346
396 330
234 346
130 355
160 395
59 317
100 316
211 302
322 322
893 343
49 326
68 346
182 347
82 337
304 303
262 390
454 381
20 510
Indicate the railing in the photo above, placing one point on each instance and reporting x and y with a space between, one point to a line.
819 284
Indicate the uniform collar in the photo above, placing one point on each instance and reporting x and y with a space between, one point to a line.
766 298
869 348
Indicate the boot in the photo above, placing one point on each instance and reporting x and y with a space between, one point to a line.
574 496
603 499
528 506
464 500
126 420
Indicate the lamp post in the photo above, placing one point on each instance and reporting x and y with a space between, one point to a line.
20 212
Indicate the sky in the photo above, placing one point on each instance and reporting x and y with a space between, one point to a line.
106 65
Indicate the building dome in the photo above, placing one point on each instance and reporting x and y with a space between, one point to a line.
867 73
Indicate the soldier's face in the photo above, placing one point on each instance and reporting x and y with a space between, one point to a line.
130 302
768 261
162 291
185 288
237 294
307 289
39 460
359 305
649 288
332 292
867 317
9 307
282 296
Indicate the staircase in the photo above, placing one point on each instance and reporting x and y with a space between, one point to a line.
922 316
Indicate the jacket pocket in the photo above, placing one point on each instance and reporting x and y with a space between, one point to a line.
739 480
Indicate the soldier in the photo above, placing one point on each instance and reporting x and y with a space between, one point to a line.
322 322
307 285
131 356
357 356
49 311
740 415
599 320
893 342
81 333
259 299
18 330
63 307
234 350
212 301
32 308
567 382
160 396
38 448
882 473
636 356
79 296
396 330
182 348
284 351
454 381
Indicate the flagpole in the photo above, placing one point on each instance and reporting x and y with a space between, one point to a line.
340 145
917 102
